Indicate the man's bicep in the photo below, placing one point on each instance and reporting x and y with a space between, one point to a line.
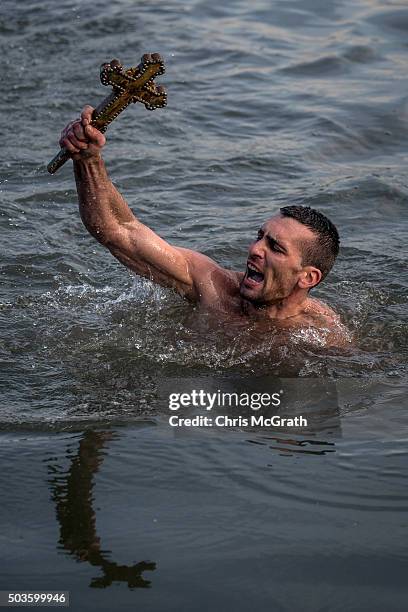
143 251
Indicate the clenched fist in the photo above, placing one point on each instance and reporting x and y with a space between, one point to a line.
81 139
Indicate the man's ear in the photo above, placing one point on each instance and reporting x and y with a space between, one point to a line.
309 277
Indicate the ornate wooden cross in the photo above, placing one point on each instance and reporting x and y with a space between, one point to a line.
132 85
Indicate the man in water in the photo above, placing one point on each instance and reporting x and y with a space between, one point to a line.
292 253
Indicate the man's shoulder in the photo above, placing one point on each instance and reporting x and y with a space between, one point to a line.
319 315
315 307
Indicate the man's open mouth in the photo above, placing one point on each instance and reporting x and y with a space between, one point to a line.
254 274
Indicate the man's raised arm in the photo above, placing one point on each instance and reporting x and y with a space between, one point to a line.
108 218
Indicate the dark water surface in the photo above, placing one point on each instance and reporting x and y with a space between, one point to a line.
269 103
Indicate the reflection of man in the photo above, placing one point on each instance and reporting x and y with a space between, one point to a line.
292 253
73 495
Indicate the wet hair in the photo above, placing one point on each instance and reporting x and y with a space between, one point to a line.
322 252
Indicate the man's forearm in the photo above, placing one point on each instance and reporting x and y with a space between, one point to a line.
101 206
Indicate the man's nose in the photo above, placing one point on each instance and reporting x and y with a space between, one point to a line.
256 249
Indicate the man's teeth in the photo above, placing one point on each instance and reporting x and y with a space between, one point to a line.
255 275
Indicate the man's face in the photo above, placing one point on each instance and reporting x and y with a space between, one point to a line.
274 264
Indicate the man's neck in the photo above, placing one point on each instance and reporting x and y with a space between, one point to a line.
286 308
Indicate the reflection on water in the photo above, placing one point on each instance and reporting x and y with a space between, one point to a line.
72 487
219 513
288 446
72 493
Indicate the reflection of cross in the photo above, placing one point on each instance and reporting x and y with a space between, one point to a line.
132 85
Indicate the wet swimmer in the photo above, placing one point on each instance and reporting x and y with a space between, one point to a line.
292 252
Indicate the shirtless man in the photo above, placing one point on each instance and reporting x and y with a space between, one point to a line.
292 253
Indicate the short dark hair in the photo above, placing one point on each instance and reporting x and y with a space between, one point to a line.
322 252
